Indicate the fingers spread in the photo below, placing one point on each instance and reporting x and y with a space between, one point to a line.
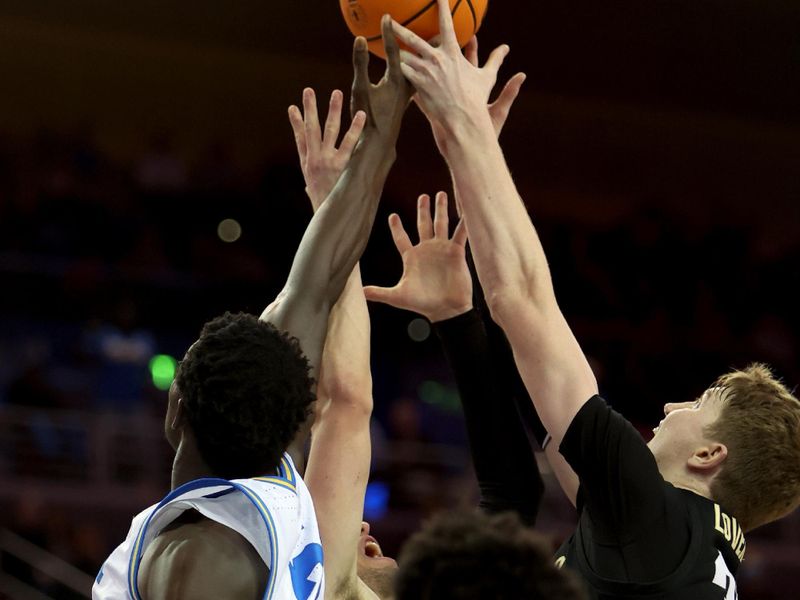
412 40
500 108
460 234
496 59
441 220
424 222
350 138
334 120
311 118
392 49
471 51
361 83
401 240
374 293
299 129
446 28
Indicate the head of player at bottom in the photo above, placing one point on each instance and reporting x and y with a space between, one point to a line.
469 555
738 444
239 397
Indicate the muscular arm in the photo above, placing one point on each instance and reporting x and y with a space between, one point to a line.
338 233
509 258
338 465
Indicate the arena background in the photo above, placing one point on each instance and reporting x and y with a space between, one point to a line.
657 145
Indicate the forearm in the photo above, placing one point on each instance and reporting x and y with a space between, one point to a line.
504 460
331 247
508 254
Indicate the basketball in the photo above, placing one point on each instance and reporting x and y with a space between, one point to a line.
363 17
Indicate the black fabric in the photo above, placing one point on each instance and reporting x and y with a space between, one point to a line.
638 536
504 460
506 367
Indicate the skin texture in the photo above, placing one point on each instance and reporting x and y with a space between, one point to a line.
340 453
338 232
339 459
452 91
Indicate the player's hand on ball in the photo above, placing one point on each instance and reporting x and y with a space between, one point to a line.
386 102
436 282
321 161
448 85
499 109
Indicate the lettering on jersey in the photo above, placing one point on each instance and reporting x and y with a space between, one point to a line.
724 579
560 561
306 572
729 528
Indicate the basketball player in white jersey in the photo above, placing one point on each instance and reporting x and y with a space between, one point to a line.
239 522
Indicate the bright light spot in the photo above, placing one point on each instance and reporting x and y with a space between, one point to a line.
229 230
162 370
376 500
419 330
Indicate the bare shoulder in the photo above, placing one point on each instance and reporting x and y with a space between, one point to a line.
201 559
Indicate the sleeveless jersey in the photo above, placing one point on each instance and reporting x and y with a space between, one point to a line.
275 514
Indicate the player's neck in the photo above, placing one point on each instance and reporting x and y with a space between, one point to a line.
188 465
685 481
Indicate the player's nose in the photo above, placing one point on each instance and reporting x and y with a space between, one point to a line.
364 528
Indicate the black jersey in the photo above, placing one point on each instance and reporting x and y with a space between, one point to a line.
638 536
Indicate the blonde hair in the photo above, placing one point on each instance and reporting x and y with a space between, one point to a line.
760 424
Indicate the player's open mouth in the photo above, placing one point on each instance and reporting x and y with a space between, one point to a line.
372 549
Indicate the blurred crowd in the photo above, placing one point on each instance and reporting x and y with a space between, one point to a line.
106 263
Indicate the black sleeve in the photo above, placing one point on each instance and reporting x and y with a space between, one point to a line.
504 459
505 366
621 486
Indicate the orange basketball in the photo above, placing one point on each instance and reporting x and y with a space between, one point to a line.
363 17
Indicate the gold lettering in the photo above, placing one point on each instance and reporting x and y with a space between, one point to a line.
717 519
560 561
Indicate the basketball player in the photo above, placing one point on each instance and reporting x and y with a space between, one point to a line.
664 521
474 556
239 522
339 462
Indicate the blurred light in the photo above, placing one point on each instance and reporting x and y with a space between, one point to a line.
419 330
162 370
440 396
229 230
376 500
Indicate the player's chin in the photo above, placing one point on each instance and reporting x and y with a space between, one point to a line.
376 562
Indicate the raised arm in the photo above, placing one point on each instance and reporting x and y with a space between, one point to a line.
338 233
437 284
339 460
508 255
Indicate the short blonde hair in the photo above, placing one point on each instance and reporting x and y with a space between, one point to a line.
760 424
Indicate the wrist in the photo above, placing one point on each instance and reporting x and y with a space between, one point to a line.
448 312
462 128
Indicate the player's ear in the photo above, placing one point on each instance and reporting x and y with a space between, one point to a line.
708 457
178 416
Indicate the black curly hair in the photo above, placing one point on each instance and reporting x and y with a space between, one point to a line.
246 389
471 555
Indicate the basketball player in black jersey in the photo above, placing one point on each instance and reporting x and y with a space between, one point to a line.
665 521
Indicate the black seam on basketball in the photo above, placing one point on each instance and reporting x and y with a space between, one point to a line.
408 21
474 17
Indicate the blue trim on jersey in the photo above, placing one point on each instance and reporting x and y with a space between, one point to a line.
266 516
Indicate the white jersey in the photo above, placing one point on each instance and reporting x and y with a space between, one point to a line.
275 514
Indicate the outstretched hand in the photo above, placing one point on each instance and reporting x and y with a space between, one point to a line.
320 160
385 102
449 85
436 282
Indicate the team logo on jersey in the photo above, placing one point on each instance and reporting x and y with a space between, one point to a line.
306 571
